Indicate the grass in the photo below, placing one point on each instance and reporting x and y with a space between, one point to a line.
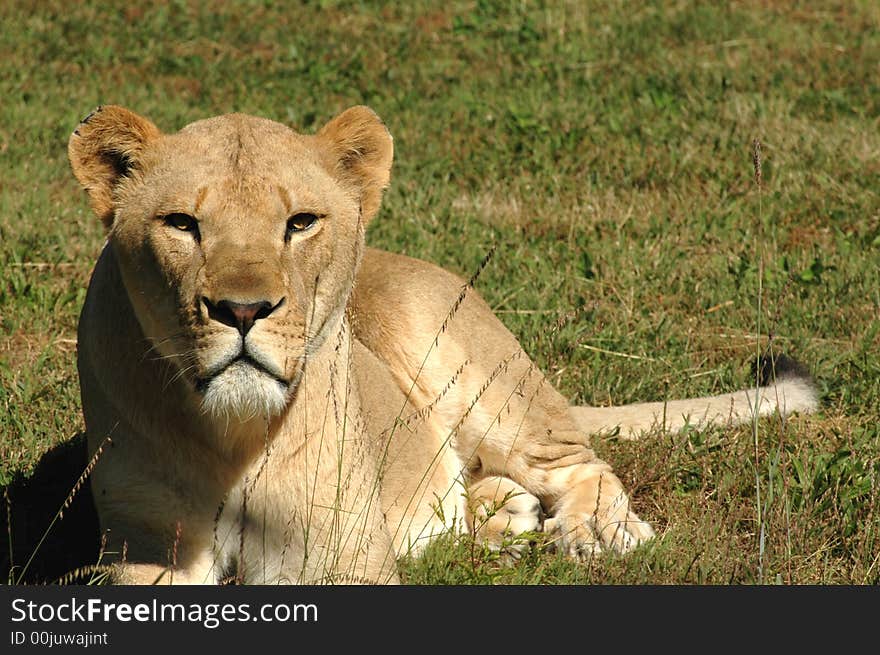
604 149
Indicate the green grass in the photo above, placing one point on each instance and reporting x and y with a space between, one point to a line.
605 149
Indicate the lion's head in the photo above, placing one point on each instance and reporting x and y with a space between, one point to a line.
237 239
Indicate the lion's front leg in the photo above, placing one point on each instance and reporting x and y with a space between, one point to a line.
587 506
539 447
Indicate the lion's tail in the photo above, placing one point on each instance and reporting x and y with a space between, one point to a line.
786 387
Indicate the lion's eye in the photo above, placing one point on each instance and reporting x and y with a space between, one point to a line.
183 222
300 223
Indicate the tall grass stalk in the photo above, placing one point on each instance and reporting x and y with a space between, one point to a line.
759 253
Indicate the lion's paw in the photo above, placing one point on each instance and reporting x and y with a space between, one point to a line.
581 538
508 524
619 527
573 538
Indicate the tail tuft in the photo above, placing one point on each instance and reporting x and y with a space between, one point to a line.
775 367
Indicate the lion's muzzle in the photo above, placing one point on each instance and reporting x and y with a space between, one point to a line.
245 378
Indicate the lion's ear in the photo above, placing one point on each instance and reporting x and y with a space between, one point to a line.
104 148
362 150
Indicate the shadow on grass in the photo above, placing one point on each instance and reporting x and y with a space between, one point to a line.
73 541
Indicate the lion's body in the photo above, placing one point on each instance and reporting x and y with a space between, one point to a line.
286 405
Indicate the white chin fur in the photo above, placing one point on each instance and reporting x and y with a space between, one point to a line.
243 392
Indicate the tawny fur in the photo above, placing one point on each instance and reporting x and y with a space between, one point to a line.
359 415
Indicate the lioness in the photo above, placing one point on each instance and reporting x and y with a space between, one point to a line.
272 399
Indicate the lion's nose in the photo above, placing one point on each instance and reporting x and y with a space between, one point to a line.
241 316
